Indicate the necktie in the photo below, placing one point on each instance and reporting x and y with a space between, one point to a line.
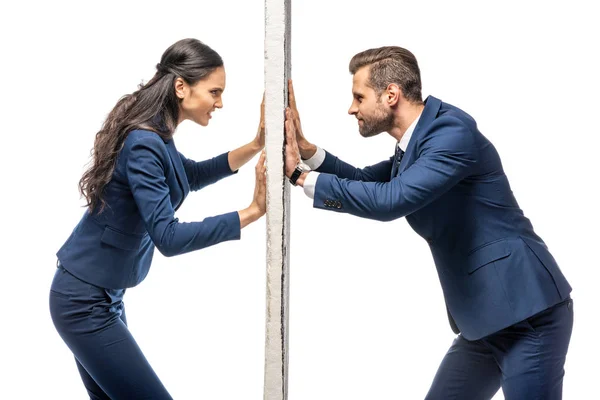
397 158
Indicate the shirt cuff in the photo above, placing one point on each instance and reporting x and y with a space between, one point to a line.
316 160
310 182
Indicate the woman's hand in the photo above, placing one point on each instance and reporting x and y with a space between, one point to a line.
239 157
258 207
260 188
259 140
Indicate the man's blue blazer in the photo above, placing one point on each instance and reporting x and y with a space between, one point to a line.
494 270
113 248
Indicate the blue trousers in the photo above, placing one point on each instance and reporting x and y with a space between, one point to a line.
526 360
91 320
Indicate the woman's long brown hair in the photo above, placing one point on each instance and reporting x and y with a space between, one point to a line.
154 106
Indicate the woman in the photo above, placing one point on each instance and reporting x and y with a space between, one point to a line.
134 185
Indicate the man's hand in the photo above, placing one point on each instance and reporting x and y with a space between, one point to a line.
292 154
306 149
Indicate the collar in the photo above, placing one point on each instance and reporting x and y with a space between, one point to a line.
403 143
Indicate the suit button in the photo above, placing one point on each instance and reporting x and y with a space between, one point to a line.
327 203
338 204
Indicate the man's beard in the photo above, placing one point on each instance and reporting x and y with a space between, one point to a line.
381 121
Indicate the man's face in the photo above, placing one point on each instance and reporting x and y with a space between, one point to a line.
372 113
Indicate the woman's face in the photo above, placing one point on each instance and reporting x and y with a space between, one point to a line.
200 100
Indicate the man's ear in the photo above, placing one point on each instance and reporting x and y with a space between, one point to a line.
180 88
393 94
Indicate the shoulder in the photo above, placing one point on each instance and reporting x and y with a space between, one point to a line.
138 136
451 131
451 124
448 112
144 141
143 147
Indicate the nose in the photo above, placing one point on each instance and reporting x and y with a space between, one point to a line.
219 104
353 109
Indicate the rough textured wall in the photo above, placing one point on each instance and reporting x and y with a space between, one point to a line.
277 71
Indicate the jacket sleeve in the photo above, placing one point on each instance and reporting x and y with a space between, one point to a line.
146 176
379 172
204 173
446 156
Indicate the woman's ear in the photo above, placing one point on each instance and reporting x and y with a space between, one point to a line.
181 88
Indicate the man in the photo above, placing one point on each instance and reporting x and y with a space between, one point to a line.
506 297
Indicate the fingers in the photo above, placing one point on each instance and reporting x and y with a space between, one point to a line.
261 166
291 145
261 179
291 95
290 130
289 127
262 115
293 108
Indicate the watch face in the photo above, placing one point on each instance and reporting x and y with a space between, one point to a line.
295 175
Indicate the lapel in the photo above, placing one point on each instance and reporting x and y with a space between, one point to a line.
179 174
432 107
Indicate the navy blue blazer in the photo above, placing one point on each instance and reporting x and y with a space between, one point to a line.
114 248
451 187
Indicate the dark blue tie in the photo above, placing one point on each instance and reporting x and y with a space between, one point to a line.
397 158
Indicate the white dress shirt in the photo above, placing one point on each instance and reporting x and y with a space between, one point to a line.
317 159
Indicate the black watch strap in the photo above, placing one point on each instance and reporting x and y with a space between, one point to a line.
295 175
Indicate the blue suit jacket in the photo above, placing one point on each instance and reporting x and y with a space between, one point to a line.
450 185
114 248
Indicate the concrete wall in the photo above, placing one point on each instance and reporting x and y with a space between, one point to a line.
277 71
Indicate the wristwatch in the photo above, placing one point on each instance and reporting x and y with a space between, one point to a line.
296 174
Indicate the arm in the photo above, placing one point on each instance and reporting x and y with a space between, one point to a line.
145 173
241 155
447 157
319 160
322 161
204 173
379 172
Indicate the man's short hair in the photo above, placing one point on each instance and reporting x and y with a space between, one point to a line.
391 64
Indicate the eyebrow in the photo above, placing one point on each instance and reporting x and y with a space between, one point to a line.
356 94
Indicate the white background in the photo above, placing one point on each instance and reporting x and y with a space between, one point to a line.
367 315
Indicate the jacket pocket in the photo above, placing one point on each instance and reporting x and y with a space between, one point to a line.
487 254
120 240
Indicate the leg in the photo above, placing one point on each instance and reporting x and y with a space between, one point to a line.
89 321
532 354
94 391
468 371
116 363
